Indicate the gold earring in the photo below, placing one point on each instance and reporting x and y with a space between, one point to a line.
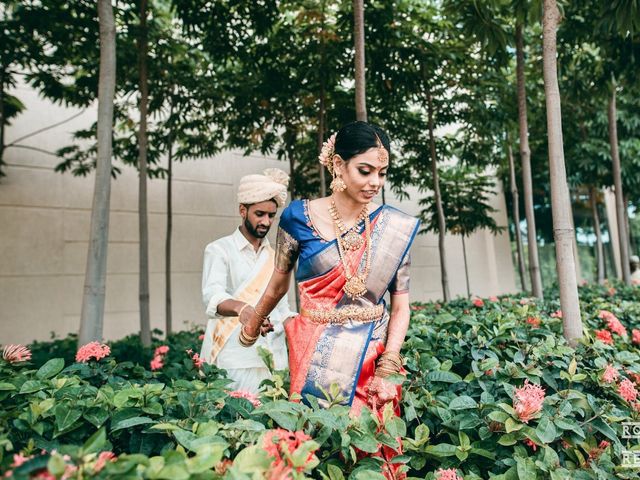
337 184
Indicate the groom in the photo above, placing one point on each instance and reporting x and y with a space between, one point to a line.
236 271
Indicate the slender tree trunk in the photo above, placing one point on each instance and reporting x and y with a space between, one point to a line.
322 110
632 240
593 198
444 277
560 204
2 120
145 322
574 246
466 266
525 158
358 35
623 236
515 200
167 248
92 313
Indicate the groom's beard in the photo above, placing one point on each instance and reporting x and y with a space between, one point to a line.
254 231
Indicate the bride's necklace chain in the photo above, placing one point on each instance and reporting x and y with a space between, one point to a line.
355 285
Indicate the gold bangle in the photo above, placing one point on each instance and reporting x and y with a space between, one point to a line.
245 339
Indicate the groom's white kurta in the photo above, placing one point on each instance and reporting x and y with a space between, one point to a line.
229 264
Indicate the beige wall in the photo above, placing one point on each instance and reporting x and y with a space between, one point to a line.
44 217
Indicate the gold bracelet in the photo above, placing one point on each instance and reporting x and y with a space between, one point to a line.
245 339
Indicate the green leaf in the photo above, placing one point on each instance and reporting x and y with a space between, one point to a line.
334 473
50 369
526 468
56 465
32 386
206 458
512 426
131 422
498 416
95 442
545 430
364 441
396 427
445 377
4 386
66 416
96 416
462 403
509 439
441 450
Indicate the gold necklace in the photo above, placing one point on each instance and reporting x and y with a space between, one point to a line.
355 285
349 237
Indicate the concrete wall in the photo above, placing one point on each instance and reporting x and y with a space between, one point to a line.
44 222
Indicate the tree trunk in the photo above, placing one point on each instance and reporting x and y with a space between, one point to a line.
2 121
596 229
525 159
167 248
322 109
560 204
358 36
436 192
632 241
623 236
574 246
145 323
516 216
466 266
92 313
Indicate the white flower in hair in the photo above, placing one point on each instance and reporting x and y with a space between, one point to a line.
328 148
277 175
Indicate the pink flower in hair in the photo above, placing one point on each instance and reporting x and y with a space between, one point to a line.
328 148
16 353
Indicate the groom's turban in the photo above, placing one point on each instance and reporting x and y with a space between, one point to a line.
271 185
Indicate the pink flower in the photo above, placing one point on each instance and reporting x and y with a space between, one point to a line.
533 321
197 361
161 350
635 336
557 314
16 353
328 148
448 474
603 444
201 337
604 336
528 401
612 322
156 363
92 350
478 302
610 374
493 298
103 458
19 459
611 291
529 443
524 301
247 395
279 441
627 390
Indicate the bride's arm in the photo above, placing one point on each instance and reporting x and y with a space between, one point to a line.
399 322
255 317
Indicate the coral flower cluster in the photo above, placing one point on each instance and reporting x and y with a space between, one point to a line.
528 401
246 395
92 350
16 353
158 357
280 445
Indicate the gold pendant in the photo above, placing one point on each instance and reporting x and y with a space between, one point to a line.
352 241
355 287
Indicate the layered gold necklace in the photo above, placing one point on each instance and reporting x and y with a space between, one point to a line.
349 239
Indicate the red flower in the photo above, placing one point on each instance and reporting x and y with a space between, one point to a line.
528 401
103 458
612 322
610 374
478 302
529 443
533 321
604 336
197 361
201 337
448 474
627 390
161 350
92 350
156 363
279 441
635 336
247 395
16 353
557 314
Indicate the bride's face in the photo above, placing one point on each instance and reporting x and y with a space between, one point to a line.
364 175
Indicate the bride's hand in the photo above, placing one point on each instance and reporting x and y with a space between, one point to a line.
381 391
250 320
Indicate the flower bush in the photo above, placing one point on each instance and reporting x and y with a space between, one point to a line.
489 393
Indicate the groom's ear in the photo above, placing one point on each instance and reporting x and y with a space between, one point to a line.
243 210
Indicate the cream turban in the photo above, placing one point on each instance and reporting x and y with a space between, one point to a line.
272 184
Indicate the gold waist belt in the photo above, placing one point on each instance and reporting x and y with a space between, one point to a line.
344 314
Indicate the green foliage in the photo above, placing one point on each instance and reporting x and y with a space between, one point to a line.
464 363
